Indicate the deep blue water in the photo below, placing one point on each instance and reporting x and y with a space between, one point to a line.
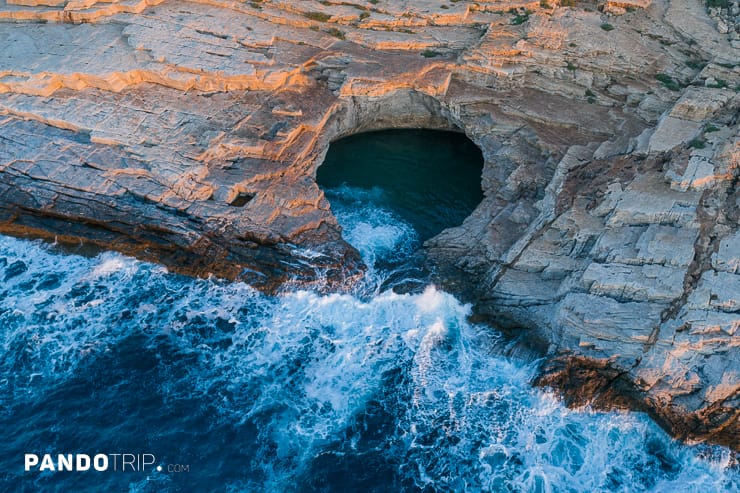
301 392
298 392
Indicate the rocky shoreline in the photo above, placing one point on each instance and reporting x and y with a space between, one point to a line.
189 133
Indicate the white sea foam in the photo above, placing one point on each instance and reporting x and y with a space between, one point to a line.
379 234
302 367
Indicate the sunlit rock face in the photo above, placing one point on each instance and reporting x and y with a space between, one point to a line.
190 133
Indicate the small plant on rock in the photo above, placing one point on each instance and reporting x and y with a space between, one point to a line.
668 82
520 19
317 16
697 143
720 84
696 64
335 32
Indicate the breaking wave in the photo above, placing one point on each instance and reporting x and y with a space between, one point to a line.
376 391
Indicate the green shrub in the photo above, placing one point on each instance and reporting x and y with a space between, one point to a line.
696 64
335 32
697 143
317 16
721 4
708 128
430 53
720 84
668 82
520 19
607 27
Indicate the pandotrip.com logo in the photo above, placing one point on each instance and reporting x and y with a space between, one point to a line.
122 462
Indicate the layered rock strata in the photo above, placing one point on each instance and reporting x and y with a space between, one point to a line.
190 133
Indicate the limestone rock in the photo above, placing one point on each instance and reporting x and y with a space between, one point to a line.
190 134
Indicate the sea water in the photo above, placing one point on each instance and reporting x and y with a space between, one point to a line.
233 390
376 391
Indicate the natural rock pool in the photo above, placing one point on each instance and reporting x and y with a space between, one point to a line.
374 391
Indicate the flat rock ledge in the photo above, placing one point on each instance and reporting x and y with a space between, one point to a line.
189 133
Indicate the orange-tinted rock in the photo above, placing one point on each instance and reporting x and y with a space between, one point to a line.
190 134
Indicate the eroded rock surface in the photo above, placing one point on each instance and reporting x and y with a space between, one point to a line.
190 133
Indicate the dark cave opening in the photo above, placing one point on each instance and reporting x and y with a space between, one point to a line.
430 178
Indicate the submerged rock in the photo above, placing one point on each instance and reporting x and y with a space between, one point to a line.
190 134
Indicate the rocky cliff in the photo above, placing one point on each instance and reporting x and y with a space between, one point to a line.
190 133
